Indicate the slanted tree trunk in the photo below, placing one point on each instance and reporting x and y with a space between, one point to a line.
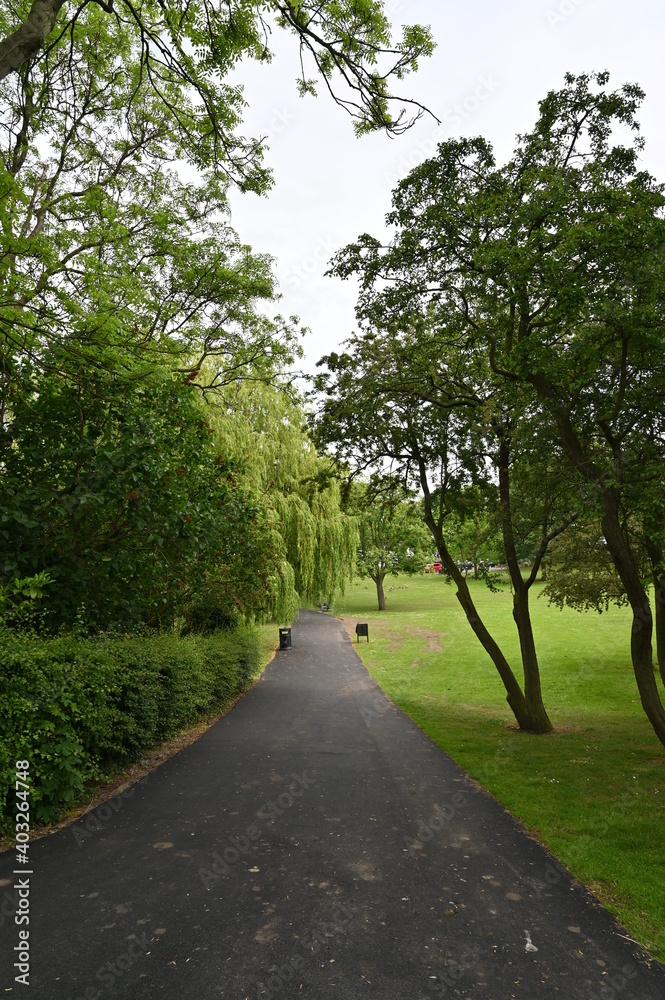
29 36
527 720
378 580
640 640
521 613
641 650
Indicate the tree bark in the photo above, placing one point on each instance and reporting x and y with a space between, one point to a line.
657 561
29 37
640 640
659 588
378 580
527 720
521 613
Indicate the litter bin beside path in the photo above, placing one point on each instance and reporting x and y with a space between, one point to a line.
285 638
362 628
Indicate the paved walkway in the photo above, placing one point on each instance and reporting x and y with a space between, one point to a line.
313 843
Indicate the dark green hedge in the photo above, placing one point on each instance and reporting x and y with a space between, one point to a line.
78 709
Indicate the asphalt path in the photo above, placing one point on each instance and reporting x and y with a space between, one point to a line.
312 843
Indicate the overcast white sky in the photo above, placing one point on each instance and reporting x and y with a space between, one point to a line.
330 186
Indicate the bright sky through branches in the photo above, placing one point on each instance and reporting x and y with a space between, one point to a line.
492 65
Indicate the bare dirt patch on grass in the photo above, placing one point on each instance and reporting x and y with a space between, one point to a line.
397 639
433 638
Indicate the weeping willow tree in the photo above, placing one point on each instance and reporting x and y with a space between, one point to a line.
312 547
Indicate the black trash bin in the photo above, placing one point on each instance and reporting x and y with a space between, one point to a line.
362 628
285 638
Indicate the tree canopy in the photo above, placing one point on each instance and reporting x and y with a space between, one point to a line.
185 52
548 269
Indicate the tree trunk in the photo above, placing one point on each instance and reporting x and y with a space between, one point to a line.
521 614
624 563
527 720
378 580
659 589
514 694
657 563
29 37
640 640
532 688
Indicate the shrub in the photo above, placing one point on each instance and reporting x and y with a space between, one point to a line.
78 709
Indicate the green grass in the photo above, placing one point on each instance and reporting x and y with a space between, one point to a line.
594 791
269 641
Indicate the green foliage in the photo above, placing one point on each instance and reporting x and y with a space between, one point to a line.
78 709
106 253
120 497
392 538
29 588
187 53
581 574
313 540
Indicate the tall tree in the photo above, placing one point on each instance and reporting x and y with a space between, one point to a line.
430 410
392 539
262 428
105 253
553 266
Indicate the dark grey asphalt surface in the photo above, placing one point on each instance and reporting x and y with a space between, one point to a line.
313 843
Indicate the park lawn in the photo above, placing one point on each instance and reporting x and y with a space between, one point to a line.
594 791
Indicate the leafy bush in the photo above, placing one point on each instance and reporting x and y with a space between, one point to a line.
79 708
116 495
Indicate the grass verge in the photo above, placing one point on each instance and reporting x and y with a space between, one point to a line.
594 791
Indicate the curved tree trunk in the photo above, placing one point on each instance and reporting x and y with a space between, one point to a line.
528 720
640 640
521 613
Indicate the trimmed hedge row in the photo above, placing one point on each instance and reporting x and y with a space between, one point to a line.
78 709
